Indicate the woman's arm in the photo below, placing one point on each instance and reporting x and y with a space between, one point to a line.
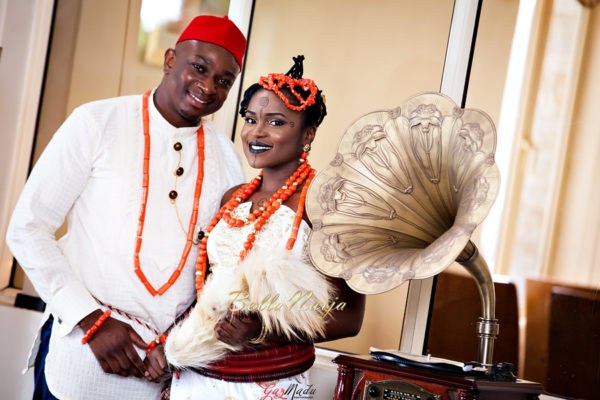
346 317
343 320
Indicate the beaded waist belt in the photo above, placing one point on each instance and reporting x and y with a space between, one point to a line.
129 317
269 361
141 322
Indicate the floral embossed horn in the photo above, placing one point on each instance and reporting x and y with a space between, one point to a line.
402 197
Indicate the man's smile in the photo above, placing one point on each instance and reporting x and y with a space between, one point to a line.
198 99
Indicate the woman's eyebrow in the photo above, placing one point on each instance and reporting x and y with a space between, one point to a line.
276 113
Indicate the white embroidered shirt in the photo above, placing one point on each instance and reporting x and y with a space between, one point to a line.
91 173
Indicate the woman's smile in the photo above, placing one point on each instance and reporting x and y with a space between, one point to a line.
258 147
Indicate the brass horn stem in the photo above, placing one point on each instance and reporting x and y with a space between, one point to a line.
487 326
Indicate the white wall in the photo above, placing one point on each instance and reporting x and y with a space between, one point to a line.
16 336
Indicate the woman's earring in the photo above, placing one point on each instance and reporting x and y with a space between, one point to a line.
305 151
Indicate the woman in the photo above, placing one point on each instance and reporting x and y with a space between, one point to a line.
251 334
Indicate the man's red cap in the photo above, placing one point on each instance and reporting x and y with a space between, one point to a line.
218 30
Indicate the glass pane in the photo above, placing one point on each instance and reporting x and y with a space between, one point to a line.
161 23
551 105
365 56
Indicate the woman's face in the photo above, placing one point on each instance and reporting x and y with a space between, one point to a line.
273 135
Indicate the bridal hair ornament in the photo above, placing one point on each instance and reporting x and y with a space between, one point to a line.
292 79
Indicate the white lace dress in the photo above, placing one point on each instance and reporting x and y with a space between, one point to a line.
223 247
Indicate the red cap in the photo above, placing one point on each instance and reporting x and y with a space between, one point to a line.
218 30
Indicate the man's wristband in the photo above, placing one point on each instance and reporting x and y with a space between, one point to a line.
159 339
95 327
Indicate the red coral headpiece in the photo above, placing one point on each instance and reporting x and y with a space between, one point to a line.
292 79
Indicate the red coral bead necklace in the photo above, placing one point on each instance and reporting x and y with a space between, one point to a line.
304 173
142 216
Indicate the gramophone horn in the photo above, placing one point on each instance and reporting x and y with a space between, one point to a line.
402 197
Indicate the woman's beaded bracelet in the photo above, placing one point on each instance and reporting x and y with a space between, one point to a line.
95 327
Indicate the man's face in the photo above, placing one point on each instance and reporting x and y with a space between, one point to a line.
197 78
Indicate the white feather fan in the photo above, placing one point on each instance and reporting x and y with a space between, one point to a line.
278 276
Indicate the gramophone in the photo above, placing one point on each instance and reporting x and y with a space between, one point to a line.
399 201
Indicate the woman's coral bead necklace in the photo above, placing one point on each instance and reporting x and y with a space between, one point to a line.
259 216
193 218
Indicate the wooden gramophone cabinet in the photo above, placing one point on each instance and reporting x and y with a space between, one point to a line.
356 372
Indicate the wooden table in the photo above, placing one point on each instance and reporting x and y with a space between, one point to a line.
357 372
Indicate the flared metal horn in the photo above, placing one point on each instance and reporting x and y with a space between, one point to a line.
402 197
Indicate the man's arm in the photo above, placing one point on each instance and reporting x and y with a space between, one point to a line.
56 182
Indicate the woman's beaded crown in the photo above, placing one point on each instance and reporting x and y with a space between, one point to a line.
293 78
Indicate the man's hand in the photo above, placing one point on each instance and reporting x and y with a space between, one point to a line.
156 363
112 344
236 328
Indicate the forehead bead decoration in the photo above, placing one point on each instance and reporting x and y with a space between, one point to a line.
297 93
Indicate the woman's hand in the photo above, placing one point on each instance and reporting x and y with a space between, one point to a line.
236 328
157 364
112 344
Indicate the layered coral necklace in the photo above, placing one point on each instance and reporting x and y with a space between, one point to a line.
259 216
142 216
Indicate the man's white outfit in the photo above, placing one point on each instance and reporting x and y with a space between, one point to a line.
91 173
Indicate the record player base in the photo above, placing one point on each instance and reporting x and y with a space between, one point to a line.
356 371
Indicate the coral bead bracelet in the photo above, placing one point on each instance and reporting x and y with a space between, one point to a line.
159 340
95 327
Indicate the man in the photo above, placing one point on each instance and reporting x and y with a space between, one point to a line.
138 178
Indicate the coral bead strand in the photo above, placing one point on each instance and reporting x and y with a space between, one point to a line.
142 216
299 212
159 340
259 216
95 327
